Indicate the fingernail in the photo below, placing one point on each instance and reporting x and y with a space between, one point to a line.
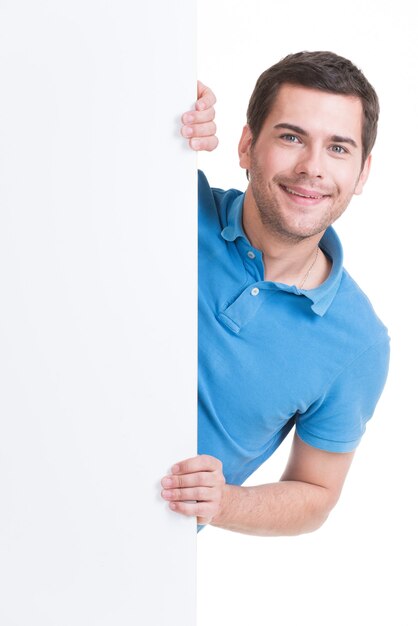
188 118
167 482
166 493
200 105
187 131
172 506
175 469
195 144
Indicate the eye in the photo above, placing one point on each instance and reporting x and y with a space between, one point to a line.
339 149
290 138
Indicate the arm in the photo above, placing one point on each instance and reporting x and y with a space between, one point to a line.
300 502
198 125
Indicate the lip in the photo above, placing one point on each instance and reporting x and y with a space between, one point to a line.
303 199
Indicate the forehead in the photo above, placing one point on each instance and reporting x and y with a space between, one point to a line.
317 111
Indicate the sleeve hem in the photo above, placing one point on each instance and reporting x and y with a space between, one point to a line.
326 444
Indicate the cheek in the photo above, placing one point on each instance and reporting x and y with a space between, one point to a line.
346 180
274 162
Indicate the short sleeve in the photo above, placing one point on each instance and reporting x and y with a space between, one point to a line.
337 420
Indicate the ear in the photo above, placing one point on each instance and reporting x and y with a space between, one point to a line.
363 176
244 148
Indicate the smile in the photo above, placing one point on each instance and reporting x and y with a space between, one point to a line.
302 193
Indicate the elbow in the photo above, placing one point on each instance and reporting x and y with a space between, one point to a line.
316 516
309 524
319 520
322 513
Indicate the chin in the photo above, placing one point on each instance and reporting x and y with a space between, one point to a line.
295 231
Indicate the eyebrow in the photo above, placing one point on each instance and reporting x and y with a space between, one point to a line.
301 131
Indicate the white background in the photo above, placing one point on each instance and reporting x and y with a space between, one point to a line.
97 311
359 568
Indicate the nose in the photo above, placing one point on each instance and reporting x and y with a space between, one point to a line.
310 162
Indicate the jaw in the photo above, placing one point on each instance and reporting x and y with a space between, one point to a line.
290 217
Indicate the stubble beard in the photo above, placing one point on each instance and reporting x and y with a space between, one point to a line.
271 214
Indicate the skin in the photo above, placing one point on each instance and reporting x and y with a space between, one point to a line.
287 228
315 151
198 125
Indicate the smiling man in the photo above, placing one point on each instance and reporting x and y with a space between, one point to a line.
287 340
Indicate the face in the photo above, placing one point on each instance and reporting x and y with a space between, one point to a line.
307 161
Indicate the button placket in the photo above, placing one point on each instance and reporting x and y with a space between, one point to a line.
245 307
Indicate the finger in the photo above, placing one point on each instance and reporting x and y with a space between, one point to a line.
199 130
204 143
200 509
198 117
200 494
206 97
202 479
199 463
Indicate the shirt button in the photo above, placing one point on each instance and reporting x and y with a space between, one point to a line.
255 291
250 254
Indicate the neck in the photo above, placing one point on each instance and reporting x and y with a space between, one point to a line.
286 260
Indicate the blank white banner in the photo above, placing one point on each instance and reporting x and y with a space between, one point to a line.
97 311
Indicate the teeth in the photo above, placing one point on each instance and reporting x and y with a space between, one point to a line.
300 194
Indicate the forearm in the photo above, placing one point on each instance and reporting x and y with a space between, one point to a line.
299 503
283 508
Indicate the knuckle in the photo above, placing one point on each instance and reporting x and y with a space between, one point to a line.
179 507
215 507
213 145
201 510
189 509
210 114
204 479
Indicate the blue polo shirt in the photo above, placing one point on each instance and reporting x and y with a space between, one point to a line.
271 355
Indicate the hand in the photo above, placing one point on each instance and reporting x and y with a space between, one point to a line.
199 479
198 125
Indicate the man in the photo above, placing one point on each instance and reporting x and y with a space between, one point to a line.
286 337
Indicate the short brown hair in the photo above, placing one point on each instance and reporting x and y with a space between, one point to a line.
319 70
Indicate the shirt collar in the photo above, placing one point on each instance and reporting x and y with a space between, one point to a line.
233 228
321 297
